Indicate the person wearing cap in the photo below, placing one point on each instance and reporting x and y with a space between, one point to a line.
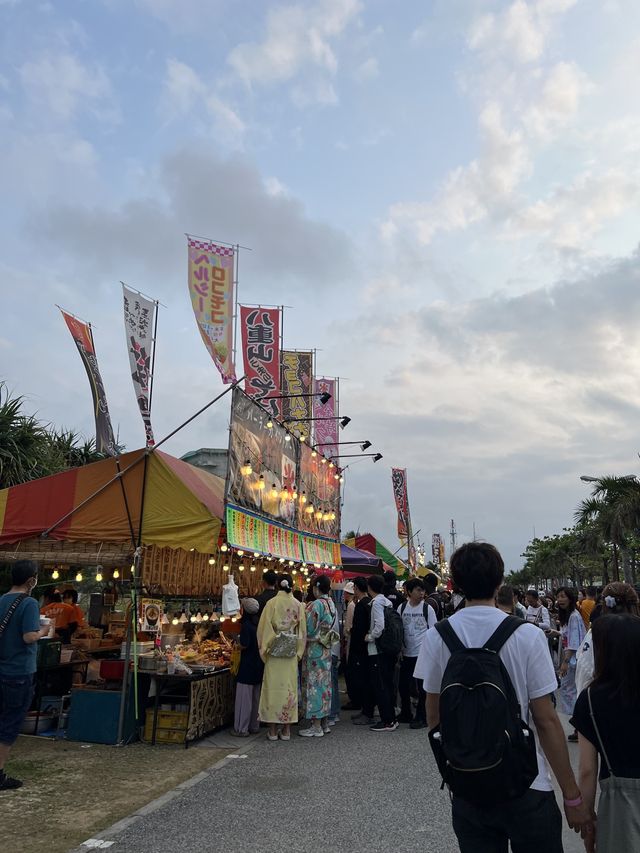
250 672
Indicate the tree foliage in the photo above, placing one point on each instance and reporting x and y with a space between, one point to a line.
30 449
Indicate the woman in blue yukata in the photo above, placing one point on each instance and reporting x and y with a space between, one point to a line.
316 663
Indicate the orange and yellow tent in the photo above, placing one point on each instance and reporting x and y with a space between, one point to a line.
183 506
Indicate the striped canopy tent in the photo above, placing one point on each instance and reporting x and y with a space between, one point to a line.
367 542
172 505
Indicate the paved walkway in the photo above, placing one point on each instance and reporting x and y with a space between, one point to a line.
353 791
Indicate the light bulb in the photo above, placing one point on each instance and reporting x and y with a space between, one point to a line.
324 460
314 454
331 465
224 547
192 618
98 576
223 618
294 572
269 424
326 516
309 509
211 561
287 437
246 469
199 616
316 565
261 483
284 494
116 574
252 569
319 514
225 568
233 619
256 554
79 577
303 437
274 491
291 563
303 498
240 553
342 479
175 620
241 568
281 560
333 516
55 574
205 617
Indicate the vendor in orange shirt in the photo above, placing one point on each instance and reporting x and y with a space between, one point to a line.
70 597
63 615
587 606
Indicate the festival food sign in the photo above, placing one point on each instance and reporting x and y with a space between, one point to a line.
263 464
211 288
297 382
319 494
260 329
139 322
326 429
399 482
81 334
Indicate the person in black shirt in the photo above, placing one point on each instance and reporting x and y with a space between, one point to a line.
358 656
390 590
269 582
430 583
250 672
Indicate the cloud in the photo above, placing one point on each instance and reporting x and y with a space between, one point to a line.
559 101
64 86
299 41
184 92
367 70
200 193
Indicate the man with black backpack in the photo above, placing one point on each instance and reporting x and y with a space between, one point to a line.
417 617
484 672
430 583
384 642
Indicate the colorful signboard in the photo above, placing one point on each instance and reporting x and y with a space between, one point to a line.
319 494
263 462
81 334
251 533
326 429
139 322
297 382
399 482
260 329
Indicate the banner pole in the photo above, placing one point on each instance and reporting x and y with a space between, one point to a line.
153 355
235 307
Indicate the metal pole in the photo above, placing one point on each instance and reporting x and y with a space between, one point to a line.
235 306
153 357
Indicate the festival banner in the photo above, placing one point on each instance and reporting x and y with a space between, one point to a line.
247 532
321 551
297 382
319 495
139 322
211 288
399 482
261 350
436 547
263 462
81 334
326 431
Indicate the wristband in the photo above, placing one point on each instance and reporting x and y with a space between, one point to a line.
573 803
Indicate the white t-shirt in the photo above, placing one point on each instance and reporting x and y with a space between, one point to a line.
585 664
539 616
525 656
415 626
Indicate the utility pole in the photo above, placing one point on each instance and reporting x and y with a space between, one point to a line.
453 536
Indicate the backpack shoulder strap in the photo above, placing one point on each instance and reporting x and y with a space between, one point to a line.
502 633
12 609
425 612
403 607
449 637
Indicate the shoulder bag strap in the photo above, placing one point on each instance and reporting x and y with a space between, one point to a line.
449 637
502 633
403 607
12 609
595 726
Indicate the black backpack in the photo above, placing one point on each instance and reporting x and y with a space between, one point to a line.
436 602
392 637
485 752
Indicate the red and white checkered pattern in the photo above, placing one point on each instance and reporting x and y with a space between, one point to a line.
207 246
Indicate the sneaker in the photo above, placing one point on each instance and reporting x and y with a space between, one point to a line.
311 732
272 737
384 727
361 720
283 736
333 720
7 783
417 724
326 728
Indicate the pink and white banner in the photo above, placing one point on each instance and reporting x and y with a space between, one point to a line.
326 432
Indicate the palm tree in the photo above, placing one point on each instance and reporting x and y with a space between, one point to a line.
24 442
614 508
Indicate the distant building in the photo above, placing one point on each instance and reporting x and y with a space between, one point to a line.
211 459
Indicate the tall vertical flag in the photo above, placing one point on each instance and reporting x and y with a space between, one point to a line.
139 324
437 549
297 382
81 334
326 431
211 287
401 495
260 330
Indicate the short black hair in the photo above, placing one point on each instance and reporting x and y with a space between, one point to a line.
324 584
360 584
22 571
592 591
72 594
270 577
430 582
53 597
506 594
412 583
390 577
533 593
375 583
477 569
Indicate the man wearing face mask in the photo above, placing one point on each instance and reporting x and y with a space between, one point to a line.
19 634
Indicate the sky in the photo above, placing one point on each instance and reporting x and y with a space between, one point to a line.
445 194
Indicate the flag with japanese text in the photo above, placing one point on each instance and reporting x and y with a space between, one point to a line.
211 288
297 382
326 427
399 482
81 334
260 330
139 322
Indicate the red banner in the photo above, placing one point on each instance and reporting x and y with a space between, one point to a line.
261 351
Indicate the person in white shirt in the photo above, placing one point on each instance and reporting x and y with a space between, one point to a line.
537 613
531 822
381 666
417 617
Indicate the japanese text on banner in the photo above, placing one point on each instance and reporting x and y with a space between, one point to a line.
297 379
139 317
261 351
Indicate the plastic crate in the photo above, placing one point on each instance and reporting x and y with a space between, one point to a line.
171 726
165 735
48 652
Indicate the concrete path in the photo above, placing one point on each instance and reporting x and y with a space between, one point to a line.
353 791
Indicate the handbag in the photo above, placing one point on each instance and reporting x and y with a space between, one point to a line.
327 635
284 645
230 598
